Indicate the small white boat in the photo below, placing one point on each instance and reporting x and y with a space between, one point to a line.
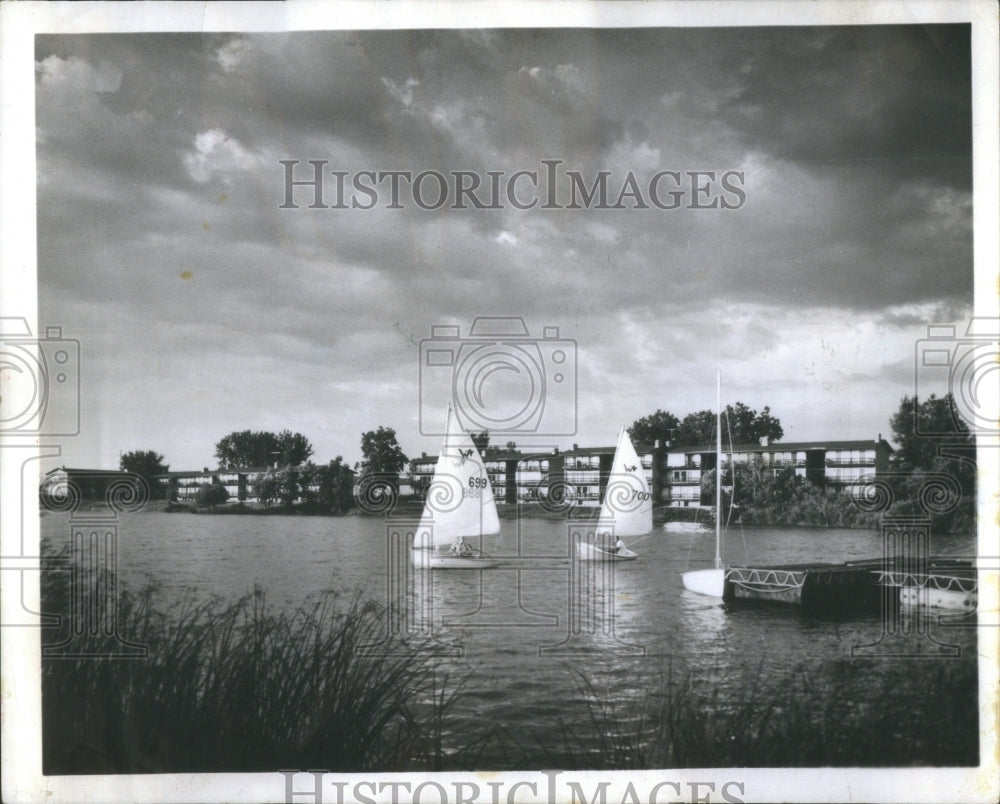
427 560
687 527
593 552
459 506
709 582
948 599
712 582
627 509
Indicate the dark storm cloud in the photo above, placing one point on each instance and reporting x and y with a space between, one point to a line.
159 187
896 99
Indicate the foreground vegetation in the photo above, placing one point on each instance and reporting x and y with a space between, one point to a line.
851 713
241 687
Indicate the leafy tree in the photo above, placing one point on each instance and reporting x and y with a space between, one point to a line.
212 494
481 440
767 425
145 463
266 488
336 486
933 440
288 485
741 425
922 428
697 428
381 453
294 448
382 461
307 482
247 448
659 426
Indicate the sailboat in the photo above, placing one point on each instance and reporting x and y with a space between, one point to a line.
712 582
459 506
627 509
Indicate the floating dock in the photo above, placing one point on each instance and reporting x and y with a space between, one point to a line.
857 586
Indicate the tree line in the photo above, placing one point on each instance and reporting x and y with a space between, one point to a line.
284 473
934 446
744 425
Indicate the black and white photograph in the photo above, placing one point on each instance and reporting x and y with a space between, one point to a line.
583 402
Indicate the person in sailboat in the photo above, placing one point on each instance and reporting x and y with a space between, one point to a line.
461 548
619 545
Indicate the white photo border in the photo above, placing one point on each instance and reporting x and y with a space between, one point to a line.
22 777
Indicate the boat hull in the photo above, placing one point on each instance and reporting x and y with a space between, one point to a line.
949 599
687 527
424 559
708 582
591 552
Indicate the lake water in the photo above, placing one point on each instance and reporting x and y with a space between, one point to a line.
529 631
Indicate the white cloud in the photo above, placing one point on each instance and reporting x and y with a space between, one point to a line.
640 157
217 154
233 53
401 92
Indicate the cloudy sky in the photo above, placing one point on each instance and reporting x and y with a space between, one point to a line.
202 307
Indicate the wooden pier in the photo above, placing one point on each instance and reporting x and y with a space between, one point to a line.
857 586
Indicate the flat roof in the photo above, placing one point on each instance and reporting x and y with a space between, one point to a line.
785 446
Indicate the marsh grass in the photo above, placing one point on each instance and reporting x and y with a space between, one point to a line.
850 713
242 687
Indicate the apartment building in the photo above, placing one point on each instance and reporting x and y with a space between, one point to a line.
674 474
831 465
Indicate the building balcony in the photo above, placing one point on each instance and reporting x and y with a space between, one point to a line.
581 477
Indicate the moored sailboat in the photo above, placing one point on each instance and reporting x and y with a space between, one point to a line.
712 582
627 508
459 507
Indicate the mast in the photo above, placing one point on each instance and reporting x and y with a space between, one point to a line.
718 469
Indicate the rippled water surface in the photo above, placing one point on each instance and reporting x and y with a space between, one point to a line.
533 632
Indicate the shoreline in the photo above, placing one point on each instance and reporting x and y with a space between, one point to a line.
846 518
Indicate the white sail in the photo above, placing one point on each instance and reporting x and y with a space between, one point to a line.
627 509
459 499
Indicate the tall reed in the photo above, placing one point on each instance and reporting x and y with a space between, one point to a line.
851 712
242 687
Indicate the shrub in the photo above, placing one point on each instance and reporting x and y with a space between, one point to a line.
214 494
